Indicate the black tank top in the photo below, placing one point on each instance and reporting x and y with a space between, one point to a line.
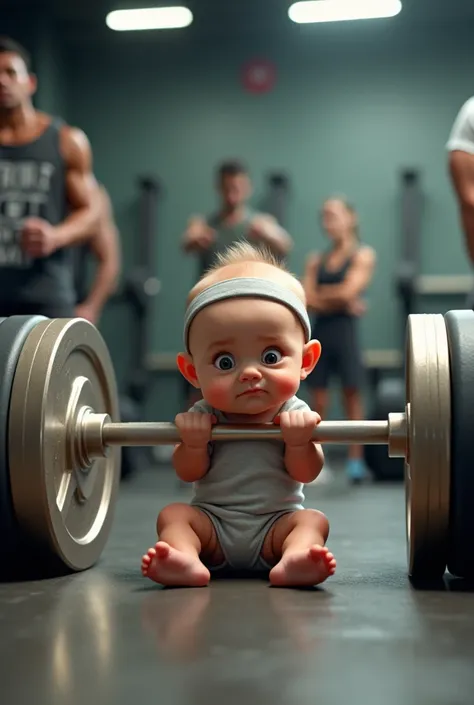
329 277
226 235
32 184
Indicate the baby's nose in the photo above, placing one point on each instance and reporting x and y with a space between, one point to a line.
250 373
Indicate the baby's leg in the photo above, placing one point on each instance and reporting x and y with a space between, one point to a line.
185 534
297 542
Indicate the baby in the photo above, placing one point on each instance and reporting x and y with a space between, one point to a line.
248 347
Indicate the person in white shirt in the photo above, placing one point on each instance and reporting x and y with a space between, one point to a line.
461 168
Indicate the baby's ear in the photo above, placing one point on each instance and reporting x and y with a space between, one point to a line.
187 369
311 355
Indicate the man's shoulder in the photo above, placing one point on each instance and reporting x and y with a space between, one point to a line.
466 113
468 105
462 131
74 144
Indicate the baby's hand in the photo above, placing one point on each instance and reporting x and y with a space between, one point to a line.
195 429
297 426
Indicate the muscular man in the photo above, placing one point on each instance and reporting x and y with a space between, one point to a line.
105 248
235 220
461 166
48 196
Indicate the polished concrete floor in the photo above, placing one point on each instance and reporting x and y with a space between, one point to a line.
108 636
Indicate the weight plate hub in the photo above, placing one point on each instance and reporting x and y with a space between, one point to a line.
64 365
427 470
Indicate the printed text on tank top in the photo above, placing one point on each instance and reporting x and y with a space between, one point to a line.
33 184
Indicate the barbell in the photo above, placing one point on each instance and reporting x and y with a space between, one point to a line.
60 438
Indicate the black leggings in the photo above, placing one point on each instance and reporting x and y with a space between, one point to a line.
341 354
49 311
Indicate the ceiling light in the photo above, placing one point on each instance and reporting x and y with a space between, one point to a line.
338 10
149 18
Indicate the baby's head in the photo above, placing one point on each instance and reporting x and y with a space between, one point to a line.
247 333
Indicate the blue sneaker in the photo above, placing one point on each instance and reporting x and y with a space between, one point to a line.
355 470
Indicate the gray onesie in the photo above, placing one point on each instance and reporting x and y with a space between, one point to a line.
246 489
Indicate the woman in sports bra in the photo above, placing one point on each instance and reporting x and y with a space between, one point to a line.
335 282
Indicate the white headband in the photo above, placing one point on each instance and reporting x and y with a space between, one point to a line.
251 288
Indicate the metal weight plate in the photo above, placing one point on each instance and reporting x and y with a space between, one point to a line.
63 364
460 329
13 333
427 469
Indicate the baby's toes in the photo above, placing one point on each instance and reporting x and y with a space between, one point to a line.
318 553
146 561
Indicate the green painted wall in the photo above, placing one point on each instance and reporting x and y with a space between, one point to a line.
352 107
51 68
354 104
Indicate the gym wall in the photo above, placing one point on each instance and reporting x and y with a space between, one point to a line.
353 105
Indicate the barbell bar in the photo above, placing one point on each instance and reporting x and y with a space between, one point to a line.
96 432
64 438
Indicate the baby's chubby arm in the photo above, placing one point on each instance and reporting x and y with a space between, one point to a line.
191 457
304 459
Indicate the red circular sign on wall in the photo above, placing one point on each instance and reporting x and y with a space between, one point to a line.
259 76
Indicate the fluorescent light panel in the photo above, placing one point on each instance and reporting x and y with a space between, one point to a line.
339 10
149 18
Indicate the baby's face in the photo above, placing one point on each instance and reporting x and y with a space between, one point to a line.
249 355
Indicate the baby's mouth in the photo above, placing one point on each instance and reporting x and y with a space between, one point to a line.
251 391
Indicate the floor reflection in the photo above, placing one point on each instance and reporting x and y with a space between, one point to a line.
246 644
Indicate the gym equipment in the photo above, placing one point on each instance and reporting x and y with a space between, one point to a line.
428 456
14 332
277 202
64 434
389 393
59 496
461 345
141 290
389 397
408 270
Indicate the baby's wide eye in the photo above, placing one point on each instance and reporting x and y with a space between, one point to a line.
272 356
224 362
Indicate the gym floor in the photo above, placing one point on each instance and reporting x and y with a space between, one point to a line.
109 636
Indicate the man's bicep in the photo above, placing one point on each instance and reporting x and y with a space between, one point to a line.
81 185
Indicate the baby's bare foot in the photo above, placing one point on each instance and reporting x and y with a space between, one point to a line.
167 566
304 568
